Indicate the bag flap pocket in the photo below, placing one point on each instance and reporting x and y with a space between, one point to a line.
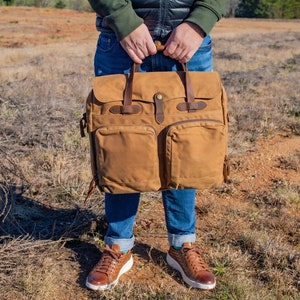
110 88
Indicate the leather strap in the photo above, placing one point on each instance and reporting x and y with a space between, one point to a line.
191 106
226 169
159 108
125 109
83 125
189 89
128 87
91 190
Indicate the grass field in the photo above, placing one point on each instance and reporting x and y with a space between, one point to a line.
249 229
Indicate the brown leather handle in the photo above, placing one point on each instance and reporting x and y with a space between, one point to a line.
159 46
190 98
128 87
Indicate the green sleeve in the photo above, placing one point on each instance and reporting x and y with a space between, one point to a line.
117 15
207 13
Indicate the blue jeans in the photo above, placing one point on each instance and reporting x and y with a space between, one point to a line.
179 205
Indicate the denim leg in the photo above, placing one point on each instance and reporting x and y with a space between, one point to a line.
179 206
202 60
120 211
110 57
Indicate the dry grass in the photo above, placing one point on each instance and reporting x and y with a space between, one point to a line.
49 238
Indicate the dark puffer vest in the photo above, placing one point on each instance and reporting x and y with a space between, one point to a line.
161 16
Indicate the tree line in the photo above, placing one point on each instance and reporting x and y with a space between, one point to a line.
79 5
269 9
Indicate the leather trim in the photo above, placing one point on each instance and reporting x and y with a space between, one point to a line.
125 109
191 106
159 107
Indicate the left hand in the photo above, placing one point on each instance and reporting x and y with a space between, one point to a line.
184 41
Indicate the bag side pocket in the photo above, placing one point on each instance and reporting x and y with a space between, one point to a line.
127 159
195 153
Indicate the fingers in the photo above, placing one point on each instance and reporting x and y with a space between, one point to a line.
139 44
136 53
183 42
178 52
139 52
137 58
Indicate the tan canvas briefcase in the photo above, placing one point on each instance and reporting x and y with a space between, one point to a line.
157 130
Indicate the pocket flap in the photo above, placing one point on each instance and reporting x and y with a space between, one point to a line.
110 88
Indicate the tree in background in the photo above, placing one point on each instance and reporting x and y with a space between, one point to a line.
250 9
60 4
283 9
41 3
8 2
275 9
231 8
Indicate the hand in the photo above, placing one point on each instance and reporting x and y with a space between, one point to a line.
139 44
184 41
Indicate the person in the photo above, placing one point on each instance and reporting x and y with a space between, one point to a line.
129 31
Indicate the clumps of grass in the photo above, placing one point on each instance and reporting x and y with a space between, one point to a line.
239 287
289 162
291 64
228 56
34 267
276 262
281 195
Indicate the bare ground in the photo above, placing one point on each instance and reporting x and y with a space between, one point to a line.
249 229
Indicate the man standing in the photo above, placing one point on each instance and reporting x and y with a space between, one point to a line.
129 32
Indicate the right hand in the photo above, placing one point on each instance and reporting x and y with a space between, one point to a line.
139 44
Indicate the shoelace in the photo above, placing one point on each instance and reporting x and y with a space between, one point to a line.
108 260
193 257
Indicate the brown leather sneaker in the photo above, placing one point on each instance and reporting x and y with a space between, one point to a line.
111 266
193 269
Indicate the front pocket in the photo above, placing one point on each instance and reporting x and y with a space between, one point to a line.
195 152
127 159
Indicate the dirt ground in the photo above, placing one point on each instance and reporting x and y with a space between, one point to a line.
256 170
44 26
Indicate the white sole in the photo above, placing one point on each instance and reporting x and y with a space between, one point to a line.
175 265
123 270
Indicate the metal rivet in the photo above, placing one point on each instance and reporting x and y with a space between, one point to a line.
159 96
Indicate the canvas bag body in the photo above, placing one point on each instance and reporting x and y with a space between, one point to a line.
159 143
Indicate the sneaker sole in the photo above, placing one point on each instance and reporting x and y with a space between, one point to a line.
123 270
175 265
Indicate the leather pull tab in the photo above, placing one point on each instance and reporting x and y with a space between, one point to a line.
159 107
82 125
91 190
226 169
128 109
191 106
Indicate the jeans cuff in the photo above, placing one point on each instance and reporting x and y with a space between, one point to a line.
178 240
125 244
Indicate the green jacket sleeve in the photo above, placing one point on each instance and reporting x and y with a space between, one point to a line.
207 13
117 15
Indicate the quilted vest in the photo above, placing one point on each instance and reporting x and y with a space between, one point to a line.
161 16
